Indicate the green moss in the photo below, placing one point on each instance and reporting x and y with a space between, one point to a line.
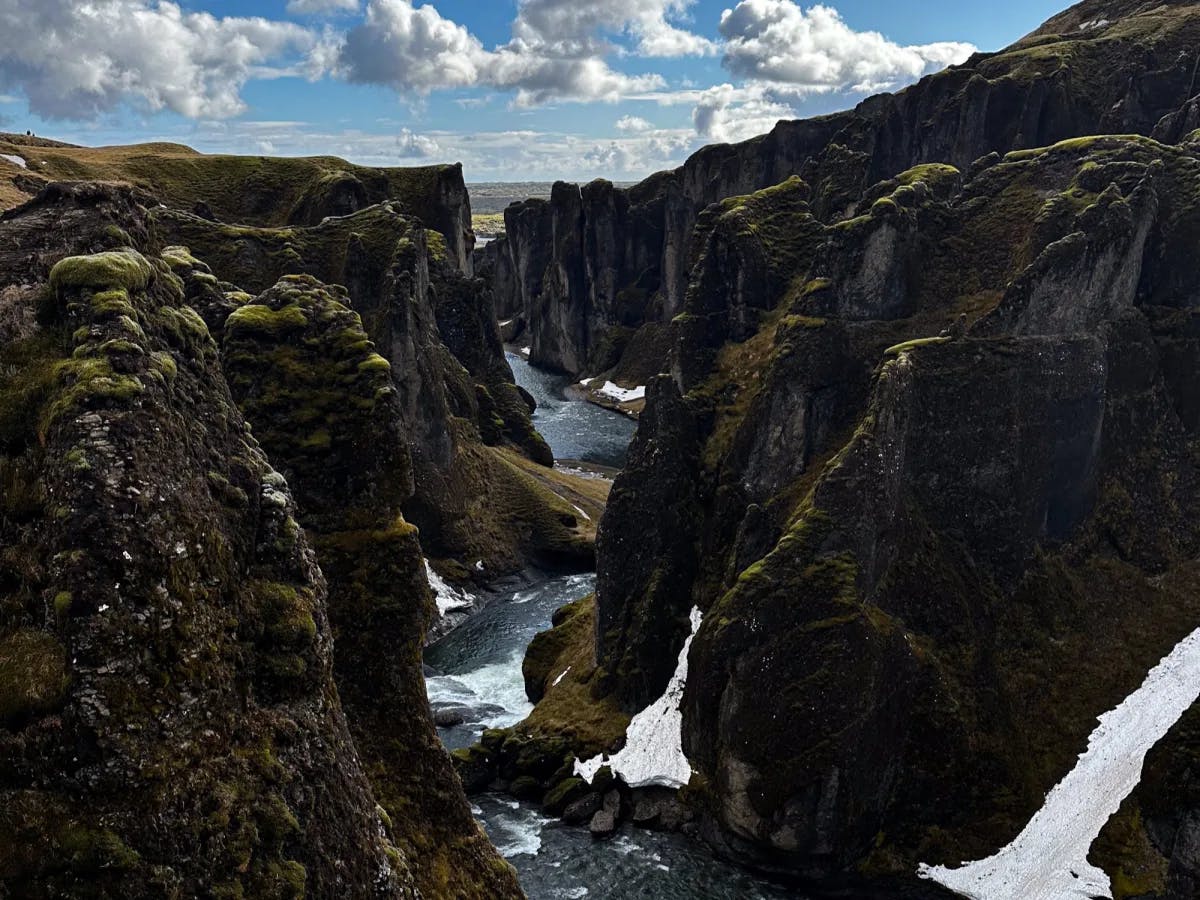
33 674
91 850
89 383
124 269
264 320
32 367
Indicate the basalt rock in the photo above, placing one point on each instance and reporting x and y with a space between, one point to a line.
169 721
590 266
460 410
927 561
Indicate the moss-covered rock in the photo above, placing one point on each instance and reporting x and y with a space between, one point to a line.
323 404
169 723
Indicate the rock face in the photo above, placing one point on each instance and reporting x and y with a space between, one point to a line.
462 414
169 723
928 556
301 366
592 265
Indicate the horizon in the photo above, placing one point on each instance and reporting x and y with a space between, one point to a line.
519 91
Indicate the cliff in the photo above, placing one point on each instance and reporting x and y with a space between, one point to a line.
595 264
169 721
460 410
250 190
173 716
932 470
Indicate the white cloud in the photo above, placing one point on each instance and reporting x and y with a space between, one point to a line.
729 114
411 145
633 124
571 24
77 60
777 41
417 50
321 7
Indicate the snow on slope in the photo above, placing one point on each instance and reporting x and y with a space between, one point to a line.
653 752
622 395
1048 860
448 598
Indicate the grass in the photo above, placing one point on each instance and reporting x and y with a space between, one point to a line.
258 190
487 223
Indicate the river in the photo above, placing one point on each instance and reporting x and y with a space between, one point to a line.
479 669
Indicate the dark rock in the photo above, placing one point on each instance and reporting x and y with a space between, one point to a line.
583 809
526 788
603 824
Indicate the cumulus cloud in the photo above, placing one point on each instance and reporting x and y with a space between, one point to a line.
653 24
555 54
778 41
76 60
633 124
321 7
410 145
729 114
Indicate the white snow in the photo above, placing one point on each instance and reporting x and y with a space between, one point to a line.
561 676
579 510
586 381
1048 860
15 160
1093 24
653 752
623 395
525 351
448 598
506 323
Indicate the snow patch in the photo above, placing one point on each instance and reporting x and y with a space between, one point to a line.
525 351
1048 860
653 752
561 676
622 395
15 160
586 381
1093 24
448 598
579 510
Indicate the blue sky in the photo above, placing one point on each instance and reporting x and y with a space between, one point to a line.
528 90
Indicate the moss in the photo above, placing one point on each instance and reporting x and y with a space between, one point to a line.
91 850
89 383
63 602
31 366
123 269
264 320
33 675
568 708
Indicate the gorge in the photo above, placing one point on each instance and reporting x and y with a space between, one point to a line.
804 521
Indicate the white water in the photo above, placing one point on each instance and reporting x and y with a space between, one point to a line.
653 753
1048 860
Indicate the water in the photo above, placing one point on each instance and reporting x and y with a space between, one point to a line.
477 673
574 429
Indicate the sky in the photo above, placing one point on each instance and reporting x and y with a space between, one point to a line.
516 90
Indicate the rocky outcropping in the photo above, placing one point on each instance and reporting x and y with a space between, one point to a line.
301 367
592 265
169 722
928 553
462 414
260 190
